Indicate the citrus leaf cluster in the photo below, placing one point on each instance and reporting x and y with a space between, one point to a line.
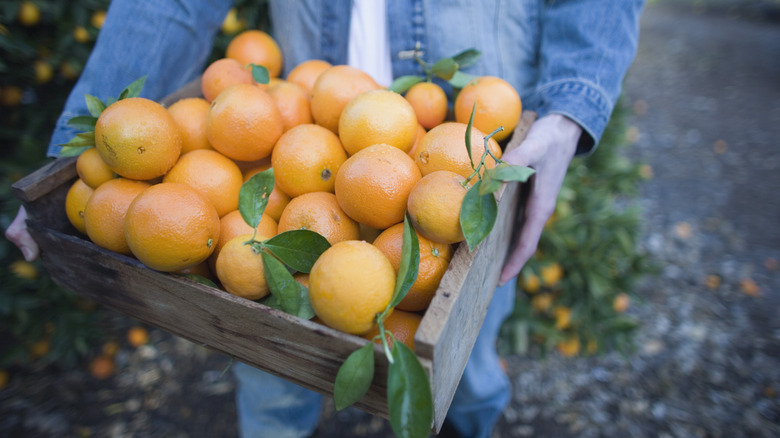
287 252
479 210
95 106
446 69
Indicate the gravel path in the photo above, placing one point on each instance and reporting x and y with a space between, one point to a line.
705 92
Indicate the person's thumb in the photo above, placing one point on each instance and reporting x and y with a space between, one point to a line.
17 233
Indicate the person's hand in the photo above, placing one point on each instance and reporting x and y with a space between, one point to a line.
17 233
548 148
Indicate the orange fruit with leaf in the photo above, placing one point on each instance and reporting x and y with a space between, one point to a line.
256 47
319 212
138 138
434 259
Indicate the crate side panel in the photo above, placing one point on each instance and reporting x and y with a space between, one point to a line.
300 351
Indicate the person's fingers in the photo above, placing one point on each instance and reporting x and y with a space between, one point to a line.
17 233
538 211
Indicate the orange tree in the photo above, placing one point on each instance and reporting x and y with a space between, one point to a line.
44 45
574 293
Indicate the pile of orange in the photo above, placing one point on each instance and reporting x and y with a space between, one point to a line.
350 160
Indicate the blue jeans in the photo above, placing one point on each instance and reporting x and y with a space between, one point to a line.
269 406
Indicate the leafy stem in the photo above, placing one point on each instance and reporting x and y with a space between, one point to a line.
485 153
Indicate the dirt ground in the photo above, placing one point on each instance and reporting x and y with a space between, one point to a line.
705 89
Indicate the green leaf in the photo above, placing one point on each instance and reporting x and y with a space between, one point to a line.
445 68
467 57
354 377
260 74
489 183
134 89
72 151
83 123
460 79
469 125
83 139
199 279
298 249
253 196
403 83
510 172
503 172
409 397
477 215
410 263
292 296
94 105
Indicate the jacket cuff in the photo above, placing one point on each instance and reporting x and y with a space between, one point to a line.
582 101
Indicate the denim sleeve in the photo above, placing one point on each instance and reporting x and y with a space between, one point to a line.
168 41
586 49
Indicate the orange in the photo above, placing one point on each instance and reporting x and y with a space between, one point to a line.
319 212
137 336
429 102
434 206
76 202
221 74
233 224
403 325
214 175
104 214
621 302
190 115
243 123
569 347
98 18
444 148
333 90
138 138
171 226
420 133
349 284
302 278
92 169
232 24
306 73
434 260
306 159
256 47
102 367
292 102
29 13
498 105
373 185
377 116
240 269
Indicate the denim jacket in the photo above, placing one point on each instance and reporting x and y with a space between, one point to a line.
563 56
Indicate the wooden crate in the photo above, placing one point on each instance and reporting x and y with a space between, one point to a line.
298 350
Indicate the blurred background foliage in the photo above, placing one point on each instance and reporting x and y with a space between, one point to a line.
44 45
574 292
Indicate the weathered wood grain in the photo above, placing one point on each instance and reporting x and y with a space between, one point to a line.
452 321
